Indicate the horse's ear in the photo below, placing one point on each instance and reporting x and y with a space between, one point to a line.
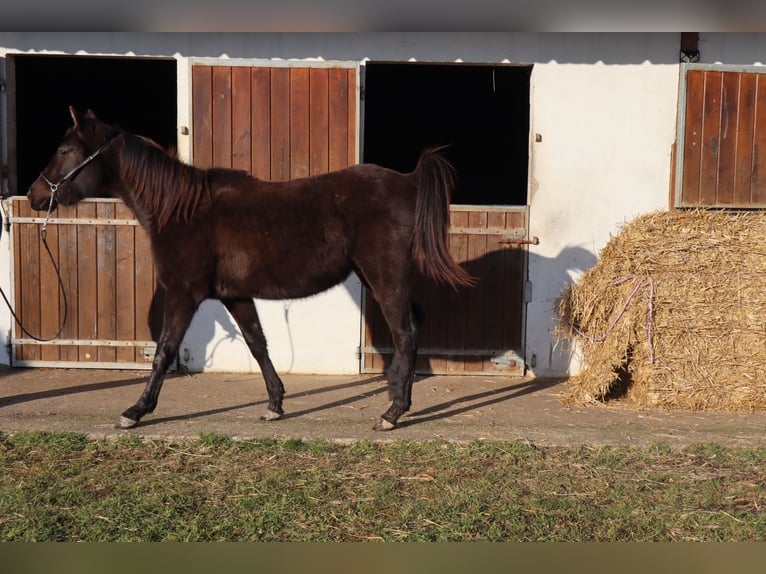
75 116
90 115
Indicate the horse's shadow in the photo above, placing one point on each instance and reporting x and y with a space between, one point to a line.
476 401
66 391
441 411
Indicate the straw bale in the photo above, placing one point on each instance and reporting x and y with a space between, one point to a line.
673 316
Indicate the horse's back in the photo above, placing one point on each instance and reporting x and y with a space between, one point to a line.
298 237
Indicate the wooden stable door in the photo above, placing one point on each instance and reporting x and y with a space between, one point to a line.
277 123
721 140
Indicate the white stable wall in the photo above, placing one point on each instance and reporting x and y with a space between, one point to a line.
605 108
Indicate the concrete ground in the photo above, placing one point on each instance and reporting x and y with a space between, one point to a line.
344 408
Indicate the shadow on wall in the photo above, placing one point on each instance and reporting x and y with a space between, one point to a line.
551 276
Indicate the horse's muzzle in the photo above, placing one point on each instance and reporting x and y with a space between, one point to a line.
39 196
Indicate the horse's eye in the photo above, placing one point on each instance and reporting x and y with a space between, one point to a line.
63 151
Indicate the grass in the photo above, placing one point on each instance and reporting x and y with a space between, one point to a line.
66 487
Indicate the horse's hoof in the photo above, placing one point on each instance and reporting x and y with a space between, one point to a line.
126 423
384 425
270 415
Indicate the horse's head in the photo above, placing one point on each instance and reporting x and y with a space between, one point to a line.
75 171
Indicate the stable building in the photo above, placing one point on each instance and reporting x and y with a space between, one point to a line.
558 139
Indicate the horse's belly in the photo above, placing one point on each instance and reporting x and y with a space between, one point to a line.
283 279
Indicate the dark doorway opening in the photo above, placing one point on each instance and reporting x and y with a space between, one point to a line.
139 94
480 111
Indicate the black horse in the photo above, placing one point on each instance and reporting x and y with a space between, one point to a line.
223 234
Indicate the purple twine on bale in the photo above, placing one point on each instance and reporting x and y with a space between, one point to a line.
643 279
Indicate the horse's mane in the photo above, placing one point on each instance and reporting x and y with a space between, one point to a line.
164 185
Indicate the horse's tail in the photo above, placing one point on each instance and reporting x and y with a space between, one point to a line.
435 179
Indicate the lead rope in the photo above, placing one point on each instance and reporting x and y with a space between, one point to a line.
43 236
44 229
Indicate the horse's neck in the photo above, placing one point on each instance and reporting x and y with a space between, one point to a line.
116 188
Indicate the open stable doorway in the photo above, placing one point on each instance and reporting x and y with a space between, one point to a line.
480 111
139 94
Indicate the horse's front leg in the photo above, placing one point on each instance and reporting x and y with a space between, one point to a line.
246 316
178 313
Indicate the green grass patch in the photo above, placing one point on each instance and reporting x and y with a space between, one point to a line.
65 487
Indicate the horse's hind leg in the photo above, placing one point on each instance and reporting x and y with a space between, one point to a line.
177 315
246 316
398 312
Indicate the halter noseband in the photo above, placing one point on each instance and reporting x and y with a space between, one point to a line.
72 172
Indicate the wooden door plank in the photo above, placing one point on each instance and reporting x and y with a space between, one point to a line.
202 116
495 287
514 258
695 89
222 130
261 123
477 296
87 280
338 119
106 262
745 133
280 124
727 156
144 274
68 268
711 137
241 123
125 281
299 122
319 121
457 305
28 296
